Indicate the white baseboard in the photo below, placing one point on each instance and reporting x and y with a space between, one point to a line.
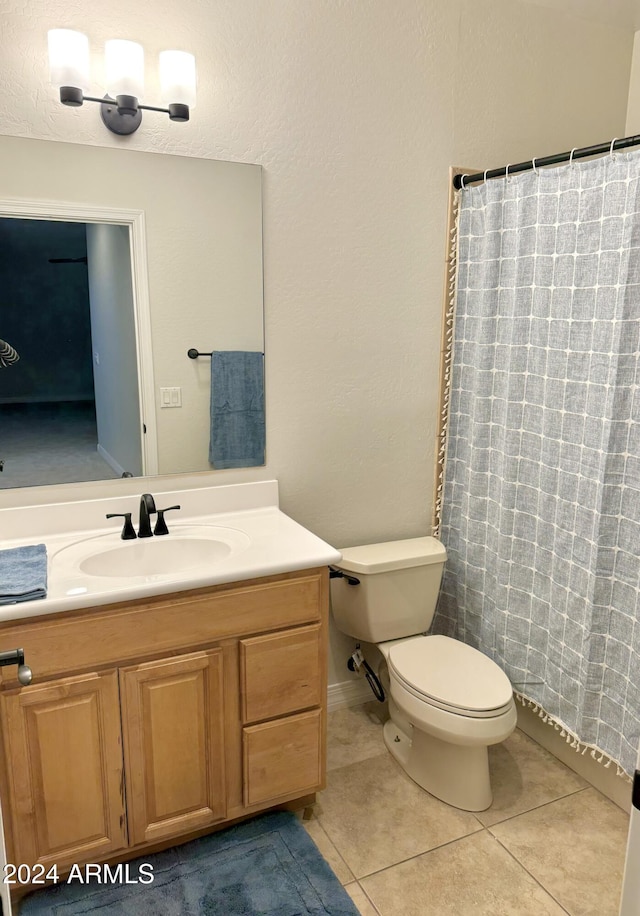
604 779
113 464
49 399
348 693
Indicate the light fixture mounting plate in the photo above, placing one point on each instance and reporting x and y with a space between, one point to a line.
118 123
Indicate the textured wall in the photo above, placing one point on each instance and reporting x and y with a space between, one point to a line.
356 110
532 82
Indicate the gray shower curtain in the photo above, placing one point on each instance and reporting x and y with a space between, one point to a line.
541 494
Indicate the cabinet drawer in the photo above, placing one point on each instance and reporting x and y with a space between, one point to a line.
88 640
283 758
280 673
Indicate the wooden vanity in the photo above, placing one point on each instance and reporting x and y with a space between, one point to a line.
153 721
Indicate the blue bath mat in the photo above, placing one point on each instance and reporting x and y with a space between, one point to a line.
267 866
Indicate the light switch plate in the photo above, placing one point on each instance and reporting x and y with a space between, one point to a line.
171 397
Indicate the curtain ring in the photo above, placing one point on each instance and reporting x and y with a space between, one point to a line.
484 176
533 166
462 182
506 172
613 142
571 155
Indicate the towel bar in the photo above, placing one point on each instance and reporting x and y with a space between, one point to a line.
194 354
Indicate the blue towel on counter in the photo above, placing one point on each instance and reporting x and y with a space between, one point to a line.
237 409
23 574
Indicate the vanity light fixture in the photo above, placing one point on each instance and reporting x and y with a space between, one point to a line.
121 109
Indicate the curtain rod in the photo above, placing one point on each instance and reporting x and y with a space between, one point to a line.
569 156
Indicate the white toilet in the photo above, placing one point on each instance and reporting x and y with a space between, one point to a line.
448 701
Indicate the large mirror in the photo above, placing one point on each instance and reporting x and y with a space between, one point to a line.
115 264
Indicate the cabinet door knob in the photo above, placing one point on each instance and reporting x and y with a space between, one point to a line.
16 657
25 675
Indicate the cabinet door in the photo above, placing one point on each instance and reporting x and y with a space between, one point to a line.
174 745
64 763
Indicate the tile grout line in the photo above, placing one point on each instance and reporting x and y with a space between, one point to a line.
551 801
452 842
418 855
533 877
370 901
337 851
353 880
481 827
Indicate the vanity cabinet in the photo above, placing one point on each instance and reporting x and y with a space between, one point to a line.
153 722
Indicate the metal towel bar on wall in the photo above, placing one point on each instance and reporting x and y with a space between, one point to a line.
194 354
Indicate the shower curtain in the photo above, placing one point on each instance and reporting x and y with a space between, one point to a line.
540 507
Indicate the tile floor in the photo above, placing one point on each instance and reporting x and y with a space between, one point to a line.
550 843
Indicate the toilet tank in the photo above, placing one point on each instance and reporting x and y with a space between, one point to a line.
397 591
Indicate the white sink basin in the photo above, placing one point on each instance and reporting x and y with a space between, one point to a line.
186 550
152 558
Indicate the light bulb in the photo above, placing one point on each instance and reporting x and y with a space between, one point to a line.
69 58
124 68
178 78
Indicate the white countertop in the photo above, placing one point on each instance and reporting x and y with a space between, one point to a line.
273 543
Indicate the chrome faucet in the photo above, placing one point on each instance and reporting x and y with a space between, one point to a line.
147 508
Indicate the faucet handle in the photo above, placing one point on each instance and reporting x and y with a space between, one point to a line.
128 531
161 525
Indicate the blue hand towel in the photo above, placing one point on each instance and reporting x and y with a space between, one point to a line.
23 574
237 409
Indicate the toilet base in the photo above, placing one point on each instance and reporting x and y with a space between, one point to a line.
456 774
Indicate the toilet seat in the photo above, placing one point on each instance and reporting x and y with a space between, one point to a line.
450 675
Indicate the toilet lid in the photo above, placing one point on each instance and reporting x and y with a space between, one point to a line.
452 674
